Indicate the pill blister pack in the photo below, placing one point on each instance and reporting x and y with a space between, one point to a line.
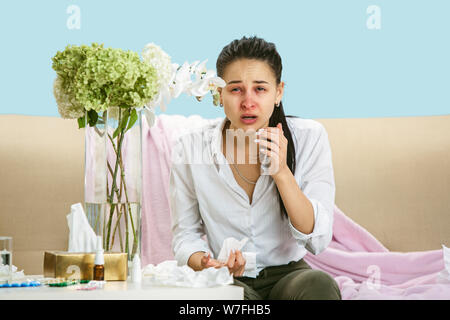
28 283
56 283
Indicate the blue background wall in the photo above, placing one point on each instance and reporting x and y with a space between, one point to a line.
334 66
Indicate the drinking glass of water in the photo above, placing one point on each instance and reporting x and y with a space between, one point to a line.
6 254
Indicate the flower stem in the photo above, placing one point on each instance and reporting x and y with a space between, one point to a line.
119 214
123 209
113 187
133 229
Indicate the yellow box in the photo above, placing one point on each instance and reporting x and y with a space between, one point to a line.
70 265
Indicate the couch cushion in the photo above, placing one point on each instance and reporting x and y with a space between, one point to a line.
393 178
42 171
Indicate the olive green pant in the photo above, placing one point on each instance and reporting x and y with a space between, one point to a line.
293 281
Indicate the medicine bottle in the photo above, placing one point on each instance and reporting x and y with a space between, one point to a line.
99 263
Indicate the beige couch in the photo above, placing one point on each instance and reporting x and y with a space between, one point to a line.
392 177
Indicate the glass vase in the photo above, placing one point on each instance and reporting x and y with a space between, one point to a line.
113 179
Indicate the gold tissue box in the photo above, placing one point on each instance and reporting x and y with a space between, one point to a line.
70 265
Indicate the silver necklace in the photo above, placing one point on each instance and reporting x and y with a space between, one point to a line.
240 175
234 165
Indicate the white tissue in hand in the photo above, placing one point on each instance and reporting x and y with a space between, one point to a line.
81 236
228 245
168 273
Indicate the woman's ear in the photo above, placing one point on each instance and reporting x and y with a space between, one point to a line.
220 92
280 91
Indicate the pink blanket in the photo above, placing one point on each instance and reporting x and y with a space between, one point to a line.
361 265
157 141
365 269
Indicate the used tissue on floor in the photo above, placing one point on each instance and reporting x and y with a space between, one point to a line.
168 273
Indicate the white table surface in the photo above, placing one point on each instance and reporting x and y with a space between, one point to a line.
122 290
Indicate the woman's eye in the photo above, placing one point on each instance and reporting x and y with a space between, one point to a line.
258 89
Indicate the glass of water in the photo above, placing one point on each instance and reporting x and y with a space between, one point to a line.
6 254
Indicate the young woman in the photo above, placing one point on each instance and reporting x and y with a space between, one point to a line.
284 207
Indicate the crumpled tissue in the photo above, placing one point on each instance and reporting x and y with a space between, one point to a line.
5 275
234 244
168 273
444 275
228 245
82 237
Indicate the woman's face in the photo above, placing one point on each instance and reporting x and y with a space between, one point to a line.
250 93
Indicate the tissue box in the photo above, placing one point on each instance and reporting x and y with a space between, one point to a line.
70 265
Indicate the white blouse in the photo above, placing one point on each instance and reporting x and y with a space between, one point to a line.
206 200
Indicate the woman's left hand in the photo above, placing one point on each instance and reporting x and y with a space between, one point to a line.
276 149
236 263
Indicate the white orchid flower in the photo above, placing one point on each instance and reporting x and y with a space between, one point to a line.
217 82
209 82
174 80
193 66
182 80
206 80
201 70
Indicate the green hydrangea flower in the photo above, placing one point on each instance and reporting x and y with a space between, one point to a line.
97 78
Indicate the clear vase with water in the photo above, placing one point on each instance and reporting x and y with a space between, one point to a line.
113 180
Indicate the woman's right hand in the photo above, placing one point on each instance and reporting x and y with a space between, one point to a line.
208 262
201 260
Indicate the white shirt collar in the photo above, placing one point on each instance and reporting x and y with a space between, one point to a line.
216 141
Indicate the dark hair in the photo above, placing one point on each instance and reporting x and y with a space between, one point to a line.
258 49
